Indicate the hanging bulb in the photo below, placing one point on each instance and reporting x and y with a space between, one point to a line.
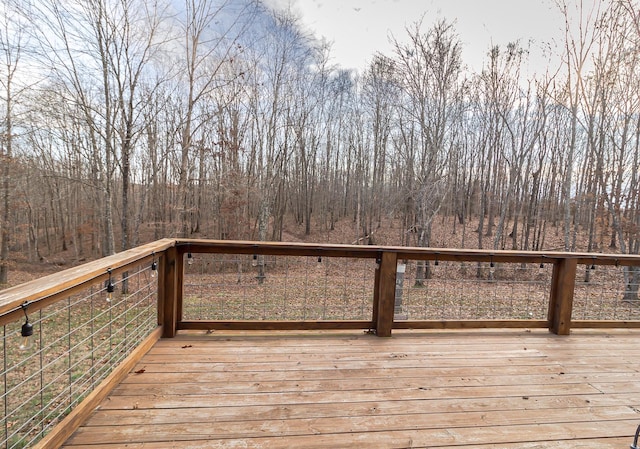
319 259
492 267
436 262
110 287
189 258
154 266
541 268
26 331
254 262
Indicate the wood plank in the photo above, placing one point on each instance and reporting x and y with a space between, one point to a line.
469 389
346 424
402 252
224 400
604 382
569 404
468 436
466 372
273 325
593 443
293 365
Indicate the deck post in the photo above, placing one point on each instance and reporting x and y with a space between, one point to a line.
167 288
386 293
563 284
179 286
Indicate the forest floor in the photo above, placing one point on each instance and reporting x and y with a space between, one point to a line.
445 234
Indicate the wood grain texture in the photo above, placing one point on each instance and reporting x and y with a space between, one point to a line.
563 283
327 389
49 289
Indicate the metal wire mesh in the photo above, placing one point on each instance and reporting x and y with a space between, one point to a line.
76 343
246 287
472 291
606 292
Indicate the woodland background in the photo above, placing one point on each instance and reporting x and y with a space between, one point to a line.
125 121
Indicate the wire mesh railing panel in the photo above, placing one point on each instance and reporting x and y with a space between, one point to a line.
279 288
606 292
447 290
76 344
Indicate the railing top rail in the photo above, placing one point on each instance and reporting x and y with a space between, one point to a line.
402 252
55 284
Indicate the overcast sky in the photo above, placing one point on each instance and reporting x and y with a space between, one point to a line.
358 28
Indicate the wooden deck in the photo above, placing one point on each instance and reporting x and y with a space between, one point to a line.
480 389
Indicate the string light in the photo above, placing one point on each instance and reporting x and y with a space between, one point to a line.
27 330
189 258
154 266
110 286
319 259
492 266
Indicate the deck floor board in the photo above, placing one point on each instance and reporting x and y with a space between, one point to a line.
496 388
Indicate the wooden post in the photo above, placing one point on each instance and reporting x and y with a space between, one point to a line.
386 289
563 285
376 292
167 293
179 285
160 286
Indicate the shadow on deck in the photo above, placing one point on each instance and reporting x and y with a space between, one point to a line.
480 388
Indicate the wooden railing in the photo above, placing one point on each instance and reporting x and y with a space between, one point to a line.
167 259
82 342
560 288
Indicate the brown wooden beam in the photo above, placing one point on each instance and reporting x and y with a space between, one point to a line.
386 289
273 325
472 324
169 289
563 283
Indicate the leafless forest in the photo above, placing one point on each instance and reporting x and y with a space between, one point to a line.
130 120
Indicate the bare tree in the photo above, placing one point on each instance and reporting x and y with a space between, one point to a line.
430 66
11 49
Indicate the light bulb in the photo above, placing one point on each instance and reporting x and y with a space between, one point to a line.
110 289
154 269
189 258
492 268
26 332
26 344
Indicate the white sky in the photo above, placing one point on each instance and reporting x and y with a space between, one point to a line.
358 28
